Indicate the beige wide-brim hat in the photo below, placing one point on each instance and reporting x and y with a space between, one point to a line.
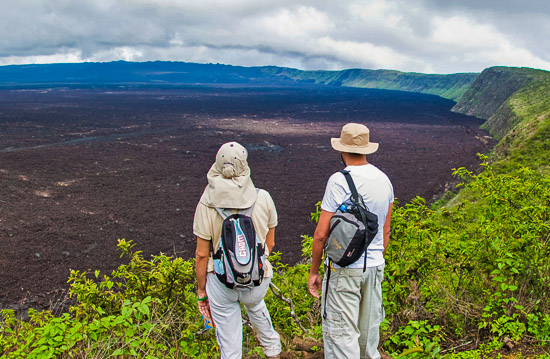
229 182
354 139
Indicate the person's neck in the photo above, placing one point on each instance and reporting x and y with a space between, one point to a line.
354 161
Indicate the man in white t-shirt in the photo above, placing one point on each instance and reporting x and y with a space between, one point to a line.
353 302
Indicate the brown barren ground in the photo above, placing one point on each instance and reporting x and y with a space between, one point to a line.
81 168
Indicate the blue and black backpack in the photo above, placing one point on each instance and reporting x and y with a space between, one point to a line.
240 258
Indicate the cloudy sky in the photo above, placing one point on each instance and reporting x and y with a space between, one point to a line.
429 36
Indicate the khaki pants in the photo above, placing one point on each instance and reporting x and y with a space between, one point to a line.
226 313
354 311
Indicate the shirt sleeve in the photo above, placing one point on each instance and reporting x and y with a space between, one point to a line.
273 218
201 223
335 195
392 195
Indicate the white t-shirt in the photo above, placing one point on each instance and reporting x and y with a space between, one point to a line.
377 192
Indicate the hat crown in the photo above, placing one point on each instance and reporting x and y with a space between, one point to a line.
231 160
354 134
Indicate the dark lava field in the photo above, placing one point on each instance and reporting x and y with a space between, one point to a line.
81 168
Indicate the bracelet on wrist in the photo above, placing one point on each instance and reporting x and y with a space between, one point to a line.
202 299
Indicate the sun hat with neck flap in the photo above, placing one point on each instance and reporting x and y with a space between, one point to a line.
229 182
354 139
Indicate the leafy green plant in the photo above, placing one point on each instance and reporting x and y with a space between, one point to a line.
538 325
484 351
146 308
417 340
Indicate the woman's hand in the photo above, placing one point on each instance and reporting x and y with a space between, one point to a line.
204 306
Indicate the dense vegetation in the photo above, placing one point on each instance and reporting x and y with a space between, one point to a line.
469 272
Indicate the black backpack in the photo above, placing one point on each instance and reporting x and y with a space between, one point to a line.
240 259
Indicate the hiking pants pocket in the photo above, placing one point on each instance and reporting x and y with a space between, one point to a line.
333 324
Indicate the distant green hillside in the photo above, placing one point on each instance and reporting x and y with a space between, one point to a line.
173 74
516 104
448 86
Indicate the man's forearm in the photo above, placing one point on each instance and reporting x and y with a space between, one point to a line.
316 255
387 228
386 237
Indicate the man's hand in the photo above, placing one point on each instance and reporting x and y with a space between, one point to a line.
314 284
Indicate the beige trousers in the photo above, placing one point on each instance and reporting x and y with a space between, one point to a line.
354 311
225 305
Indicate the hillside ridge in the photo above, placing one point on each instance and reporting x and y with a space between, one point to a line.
450 86
515 103
164 73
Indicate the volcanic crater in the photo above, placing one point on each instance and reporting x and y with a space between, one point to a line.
82 167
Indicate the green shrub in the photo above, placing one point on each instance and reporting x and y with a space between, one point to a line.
485 259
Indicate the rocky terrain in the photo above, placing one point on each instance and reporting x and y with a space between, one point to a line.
81 168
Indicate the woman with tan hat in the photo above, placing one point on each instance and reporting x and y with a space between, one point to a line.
230 188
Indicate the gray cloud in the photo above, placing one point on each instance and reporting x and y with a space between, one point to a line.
435 36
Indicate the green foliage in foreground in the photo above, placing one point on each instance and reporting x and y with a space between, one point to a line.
146 308
469 272
475 269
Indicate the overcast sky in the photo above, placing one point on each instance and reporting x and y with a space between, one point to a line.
428 36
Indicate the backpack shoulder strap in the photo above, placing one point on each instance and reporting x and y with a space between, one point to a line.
351 184
247 211
224 212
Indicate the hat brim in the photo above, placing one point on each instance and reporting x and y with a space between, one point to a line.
363 150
